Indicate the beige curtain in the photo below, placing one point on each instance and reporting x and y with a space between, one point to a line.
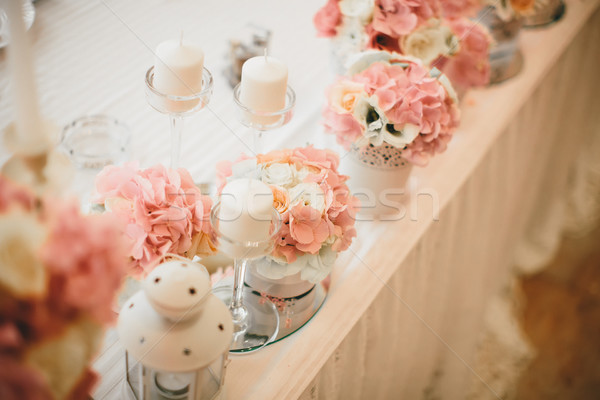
419 338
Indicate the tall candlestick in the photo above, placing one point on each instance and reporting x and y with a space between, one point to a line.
246 210
263 86
178 68
30 136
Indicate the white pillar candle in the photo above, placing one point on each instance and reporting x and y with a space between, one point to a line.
263 86
246 210
178 68
30 136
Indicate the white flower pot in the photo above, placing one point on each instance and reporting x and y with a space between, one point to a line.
297 300
378 177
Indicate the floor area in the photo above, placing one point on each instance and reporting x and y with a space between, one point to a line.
561 318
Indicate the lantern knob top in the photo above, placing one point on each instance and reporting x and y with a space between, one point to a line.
177 289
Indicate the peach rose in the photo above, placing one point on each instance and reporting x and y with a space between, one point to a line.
276 156
281 198
521 6
344 95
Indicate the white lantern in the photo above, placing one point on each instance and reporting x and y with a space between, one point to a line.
176 334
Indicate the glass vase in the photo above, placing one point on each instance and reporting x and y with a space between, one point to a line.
506 59
544 13
297 300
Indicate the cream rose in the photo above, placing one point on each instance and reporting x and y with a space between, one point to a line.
429 42
344 96
281 198
308 194
20 238
279 174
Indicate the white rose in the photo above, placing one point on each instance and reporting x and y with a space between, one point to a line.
362 9
308 194
22 270
280 174
429 42
318 266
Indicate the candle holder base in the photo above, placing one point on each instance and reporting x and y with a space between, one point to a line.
261 326
297 300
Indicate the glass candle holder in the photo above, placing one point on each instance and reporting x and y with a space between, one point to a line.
178 107
255 321
91 143
261 121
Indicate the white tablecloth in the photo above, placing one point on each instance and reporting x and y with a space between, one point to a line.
407 302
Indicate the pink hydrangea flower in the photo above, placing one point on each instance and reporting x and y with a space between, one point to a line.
10 337
13 195
470 67
285 244
327 19
19 381
161 210
310 156
345 124
86 258
400 23
460 8
308 228
406 94
400 17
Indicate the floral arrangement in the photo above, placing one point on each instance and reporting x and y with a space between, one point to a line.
316 206
437 32
60 272
160 209
397 101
